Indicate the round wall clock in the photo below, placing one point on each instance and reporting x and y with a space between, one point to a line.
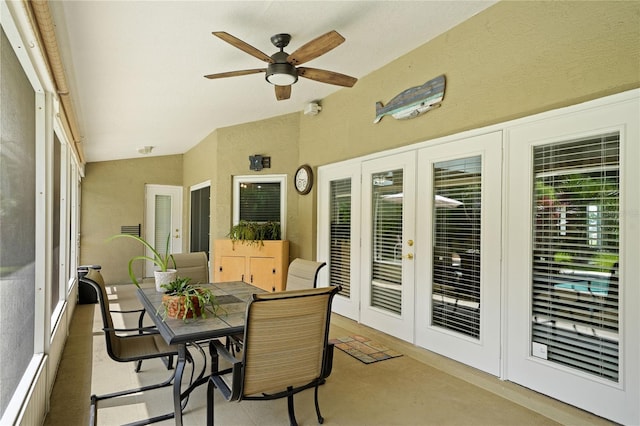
303 179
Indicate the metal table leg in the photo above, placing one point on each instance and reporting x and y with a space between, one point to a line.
177 383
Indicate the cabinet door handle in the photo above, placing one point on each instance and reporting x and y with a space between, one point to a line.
273 271
220 269
252 279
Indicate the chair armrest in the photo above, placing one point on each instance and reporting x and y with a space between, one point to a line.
221 350
128 311
140 330
141 311
233 393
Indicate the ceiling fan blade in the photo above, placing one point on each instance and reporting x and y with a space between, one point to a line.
283 92
327 76
245 47
316 47
235 73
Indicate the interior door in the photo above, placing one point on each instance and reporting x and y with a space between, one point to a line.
459 210
163 219
387 289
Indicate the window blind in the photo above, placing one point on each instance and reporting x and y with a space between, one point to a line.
162 229
340 255
386 273
575 253
457 186
260 202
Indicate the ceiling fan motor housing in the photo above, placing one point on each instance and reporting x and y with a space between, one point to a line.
281 72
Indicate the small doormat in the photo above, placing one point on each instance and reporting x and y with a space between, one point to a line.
364 349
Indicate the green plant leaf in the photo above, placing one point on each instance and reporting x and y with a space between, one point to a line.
162 262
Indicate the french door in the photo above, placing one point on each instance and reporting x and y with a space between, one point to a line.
163 220
387 252
458 272
428 269
339 235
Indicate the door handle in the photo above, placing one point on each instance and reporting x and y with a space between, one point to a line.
409 256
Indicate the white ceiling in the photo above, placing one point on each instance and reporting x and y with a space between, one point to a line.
135 68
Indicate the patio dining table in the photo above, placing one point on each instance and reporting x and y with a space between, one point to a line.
233 298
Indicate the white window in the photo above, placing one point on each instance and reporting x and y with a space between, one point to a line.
260 199
575 263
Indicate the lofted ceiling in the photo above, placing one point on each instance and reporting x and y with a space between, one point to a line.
135 69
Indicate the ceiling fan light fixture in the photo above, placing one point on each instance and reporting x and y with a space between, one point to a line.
280 74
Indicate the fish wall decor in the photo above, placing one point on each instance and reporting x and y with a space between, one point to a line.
414 101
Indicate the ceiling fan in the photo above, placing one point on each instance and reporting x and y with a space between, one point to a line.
282 70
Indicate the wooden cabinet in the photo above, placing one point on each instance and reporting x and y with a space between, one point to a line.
232 268
264 266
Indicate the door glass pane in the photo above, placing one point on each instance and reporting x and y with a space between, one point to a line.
457 205
162 223
340 256
386 274
200 208
575 254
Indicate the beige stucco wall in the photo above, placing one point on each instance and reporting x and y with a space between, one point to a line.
200 166
225 153
112 196
276 138
512 60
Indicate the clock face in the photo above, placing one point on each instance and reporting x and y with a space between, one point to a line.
303 179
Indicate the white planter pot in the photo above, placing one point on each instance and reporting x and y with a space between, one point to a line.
164 278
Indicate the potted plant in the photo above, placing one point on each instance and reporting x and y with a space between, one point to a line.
164 274
254 233
184 300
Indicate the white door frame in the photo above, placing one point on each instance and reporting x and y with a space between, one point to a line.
175 192
400 326
484 352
